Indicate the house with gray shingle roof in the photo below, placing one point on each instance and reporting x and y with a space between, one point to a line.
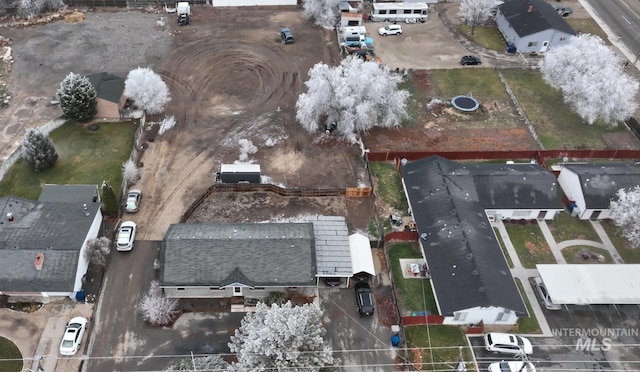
221 260
109 94
532 26
453 205
41 247
589 188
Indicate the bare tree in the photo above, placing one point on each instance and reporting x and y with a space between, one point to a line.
246 148
166 123
325 13
476 12
97 250
624 213
201 363
591 78
158 310
130 172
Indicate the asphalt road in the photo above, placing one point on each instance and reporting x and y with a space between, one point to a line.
622 18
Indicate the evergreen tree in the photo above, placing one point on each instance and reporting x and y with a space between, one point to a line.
38 149
109 200
77 97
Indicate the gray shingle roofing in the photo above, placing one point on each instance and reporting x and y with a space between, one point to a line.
542 17
69 193
108 87
259 254
600 182
467 266
56 229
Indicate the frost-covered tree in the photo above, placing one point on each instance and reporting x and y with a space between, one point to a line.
246 148
77 97
32 8
476 12
203 363
130 172
158 310
109 200
38 149
355 96
284 337
591 78
97 250
166 123
325 13
625 213
147 90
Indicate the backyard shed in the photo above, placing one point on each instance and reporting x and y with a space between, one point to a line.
239 173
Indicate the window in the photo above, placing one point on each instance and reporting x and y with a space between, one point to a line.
532 44
181 289
460 317
407 11
393 11
521 213
237 290
502 317
384 11
563 39
417 11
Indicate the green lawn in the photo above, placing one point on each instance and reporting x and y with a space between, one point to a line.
587 26
482 83
414 103
527 325
84 157
570 254
412 293
504 249
530 244
629 254
555 123
444 343
10 357
488 37
564 227
389 185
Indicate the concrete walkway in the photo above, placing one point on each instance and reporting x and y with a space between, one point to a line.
523 274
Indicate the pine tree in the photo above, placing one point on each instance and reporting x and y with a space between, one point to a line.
38 149
109 200
77 97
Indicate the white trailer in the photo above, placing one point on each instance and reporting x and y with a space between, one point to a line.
393 12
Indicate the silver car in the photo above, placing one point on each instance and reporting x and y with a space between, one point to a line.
133 201
543 294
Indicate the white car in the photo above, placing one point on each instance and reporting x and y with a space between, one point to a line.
507 343
543 295
133 201
73 336
512 366
390 30
126 236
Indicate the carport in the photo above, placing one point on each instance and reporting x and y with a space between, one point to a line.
591 284
361 257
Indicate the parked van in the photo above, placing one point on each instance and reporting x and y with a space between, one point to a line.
392 12
354 30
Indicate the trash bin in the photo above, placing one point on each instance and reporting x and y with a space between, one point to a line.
395 340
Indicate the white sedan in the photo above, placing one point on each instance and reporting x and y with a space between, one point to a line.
512 366
73 336
126 236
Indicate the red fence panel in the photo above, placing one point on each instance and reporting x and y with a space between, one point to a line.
404 236
422 320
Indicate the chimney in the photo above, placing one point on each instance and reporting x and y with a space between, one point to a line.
530 9
39 261
9 216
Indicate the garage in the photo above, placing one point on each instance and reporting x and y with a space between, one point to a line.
591 284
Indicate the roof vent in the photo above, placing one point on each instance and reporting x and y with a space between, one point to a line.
86 210
39 261
9 216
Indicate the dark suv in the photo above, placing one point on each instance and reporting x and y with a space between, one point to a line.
286 35
364 298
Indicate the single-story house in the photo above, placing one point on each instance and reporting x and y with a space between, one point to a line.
453 205
585 284
532 26
220 260
589 188
110 94
42 247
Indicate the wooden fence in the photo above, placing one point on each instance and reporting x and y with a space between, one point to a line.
422 320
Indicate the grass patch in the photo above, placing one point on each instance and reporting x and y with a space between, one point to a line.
9 350
626 251
530 244
482 83
412 293
84 157
414 102
389 185
527 325
587 26
564 227
504 248
555 123
488 37
438 345
570 254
